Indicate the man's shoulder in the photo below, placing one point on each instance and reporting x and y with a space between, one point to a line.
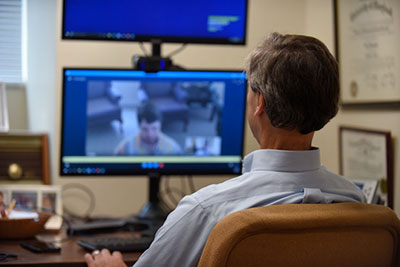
218 193
337 181
325 172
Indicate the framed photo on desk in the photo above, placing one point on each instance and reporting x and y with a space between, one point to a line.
367 49
45 198
367 155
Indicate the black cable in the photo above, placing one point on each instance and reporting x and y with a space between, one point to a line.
168 191
162 195
143 49
163 202
191 183
92 202
166 207
176 51
7 256
183 186
173 190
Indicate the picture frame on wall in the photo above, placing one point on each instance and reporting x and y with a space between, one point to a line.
366 158
367 40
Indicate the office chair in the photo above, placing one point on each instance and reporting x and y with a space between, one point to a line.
342 234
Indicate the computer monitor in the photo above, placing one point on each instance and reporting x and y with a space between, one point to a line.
182 21
129 122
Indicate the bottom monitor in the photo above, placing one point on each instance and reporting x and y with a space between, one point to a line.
129 122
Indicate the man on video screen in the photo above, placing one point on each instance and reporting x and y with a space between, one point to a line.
149 140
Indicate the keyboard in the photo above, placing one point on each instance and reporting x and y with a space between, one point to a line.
107 226
96 227
123 244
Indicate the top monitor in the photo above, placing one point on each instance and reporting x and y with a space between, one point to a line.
181 21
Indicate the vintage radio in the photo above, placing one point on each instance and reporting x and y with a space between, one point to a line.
24 157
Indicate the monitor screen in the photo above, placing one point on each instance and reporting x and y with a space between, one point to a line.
127 122
206 21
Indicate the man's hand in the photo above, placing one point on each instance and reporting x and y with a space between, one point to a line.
104 258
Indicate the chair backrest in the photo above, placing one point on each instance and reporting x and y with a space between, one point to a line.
343 234
97 89
158 89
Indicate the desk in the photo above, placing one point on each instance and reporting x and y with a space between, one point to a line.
71 253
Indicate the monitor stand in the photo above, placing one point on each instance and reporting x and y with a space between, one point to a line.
152 210
155 62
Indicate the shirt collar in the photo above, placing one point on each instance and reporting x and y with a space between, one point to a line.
282 160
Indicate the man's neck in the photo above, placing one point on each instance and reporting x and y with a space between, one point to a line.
285 140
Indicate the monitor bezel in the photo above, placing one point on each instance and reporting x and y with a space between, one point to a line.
150 172
161 39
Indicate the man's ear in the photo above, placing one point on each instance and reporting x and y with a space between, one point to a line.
260 109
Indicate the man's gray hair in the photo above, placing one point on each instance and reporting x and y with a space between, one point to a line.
298 77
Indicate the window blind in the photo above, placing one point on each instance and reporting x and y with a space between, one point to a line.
11 41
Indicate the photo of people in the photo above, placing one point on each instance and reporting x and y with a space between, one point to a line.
154 118
49 202
25 199
3 201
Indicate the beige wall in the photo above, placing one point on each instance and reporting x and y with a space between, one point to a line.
319 22
123 196
119 196
17 113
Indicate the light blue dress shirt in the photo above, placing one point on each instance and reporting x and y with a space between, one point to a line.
270 177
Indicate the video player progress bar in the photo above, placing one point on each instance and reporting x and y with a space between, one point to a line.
140 159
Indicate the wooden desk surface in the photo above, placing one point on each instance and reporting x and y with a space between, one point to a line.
71 253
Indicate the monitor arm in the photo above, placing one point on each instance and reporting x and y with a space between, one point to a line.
155 62
152 210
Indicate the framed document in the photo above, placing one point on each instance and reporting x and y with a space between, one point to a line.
366 155
367 49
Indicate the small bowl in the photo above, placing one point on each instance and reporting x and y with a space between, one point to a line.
22 228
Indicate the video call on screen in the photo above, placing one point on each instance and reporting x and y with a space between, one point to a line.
197 113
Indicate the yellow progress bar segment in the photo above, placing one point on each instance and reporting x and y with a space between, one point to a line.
140 159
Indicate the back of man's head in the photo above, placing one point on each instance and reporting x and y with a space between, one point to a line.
298 77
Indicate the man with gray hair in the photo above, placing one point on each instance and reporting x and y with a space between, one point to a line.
293 92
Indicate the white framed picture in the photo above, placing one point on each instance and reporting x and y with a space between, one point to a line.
367 155
45 198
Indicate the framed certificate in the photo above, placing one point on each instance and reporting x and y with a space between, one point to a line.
367 49
367 155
